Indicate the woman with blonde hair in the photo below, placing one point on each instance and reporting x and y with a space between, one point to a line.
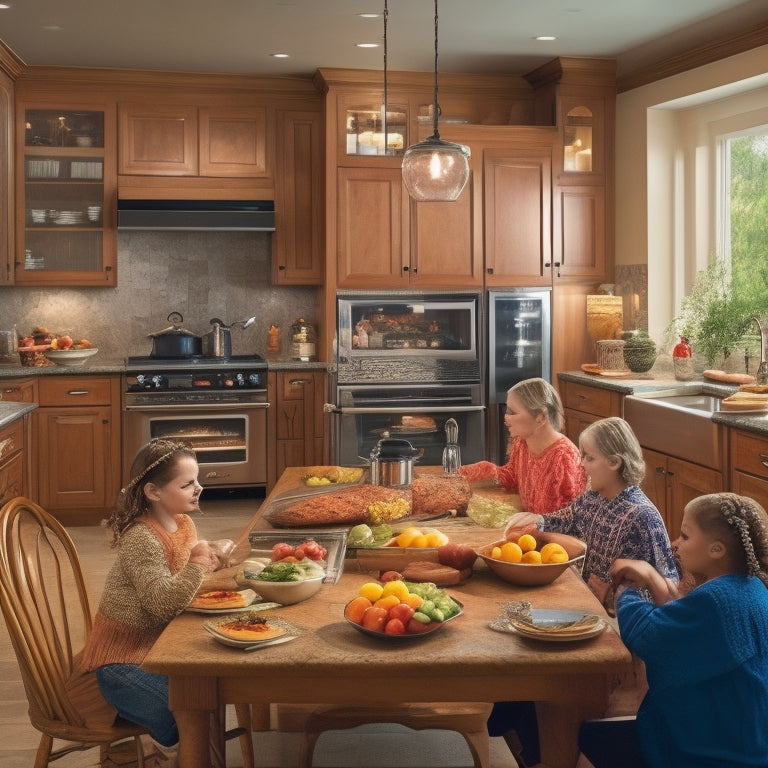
544 466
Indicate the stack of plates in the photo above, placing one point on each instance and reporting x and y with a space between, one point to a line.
69 217
557 626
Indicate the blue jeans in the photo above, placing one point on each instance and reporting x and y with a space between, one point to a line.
140 697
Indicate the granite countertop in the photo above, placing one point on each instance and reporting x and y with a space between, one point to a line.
105 365
10 412
643 383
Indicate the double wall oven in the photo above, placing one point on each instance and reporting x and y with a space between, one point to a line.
217 405
405 364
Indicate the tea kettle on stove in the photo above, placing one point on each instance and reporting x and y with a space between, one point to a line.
218 342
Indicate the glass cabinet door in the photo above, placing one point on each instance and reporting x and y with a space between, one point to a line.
65 213
365 132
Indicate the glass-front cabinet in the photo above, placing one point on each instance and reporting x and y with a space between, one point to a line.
66 195
367 133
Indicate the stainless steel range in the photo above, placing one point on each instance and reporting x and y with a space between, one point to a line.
218 406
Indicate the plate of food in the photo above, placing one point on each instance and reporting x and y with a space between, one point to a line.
553 625
249 630
223 601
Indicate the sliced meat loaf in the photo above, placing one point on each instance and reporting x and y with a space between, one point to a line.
433 495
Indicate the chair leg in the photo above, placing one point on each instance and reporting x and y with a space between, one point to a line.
43 755
480 748
243 713
308 742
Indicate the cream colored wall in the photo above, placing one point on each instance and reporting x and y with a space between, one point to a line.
665 204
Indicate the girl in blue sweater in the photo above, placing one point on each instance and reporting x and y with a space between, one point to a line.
704 643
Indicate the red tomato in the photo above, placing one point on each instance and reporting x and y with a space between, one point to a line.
403 612
300 553
394 627
414 627
281 550
390 576
375 618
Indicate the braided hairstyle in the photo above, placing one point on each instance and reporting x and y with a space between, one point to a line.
154 463
741 523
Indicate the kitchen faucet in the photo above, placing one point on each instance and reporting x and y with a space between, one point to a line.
762 371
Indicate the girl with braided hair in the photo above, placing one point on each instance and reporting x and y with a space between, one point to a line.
159 567
705 647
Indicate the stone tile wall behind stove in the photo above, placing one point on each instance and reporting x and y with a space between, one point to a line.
200 274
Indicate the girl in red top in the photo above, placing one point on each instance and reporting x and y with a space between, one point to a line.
544 466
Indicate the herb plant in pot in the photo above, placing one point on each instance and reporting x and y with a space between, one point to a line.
639 352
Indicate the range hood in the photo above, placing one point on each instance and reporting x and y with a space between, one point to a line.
196 215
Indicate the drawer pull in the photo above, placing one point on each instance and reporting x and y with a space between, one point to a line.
6 446
78 392
299 382
763 459
582 397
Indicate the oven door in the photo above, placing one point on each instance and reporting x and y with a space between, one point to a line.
229 440
365 415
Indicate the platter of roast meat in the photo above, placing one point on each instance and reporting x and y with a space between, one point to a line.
428 496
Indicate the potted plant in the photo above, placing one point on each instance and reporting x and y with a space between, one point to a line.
715 315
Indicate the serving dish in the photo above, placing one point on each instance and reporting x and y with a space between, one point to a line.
333 539
288 592
433 627
532 575
70 356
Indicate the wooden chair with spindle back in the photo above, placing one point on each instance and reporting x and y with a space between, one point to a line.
45 604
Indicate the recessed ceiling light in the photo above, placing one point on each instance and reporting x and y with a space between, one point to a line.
545 37
51 27
4 6
367 45
280 55
369 15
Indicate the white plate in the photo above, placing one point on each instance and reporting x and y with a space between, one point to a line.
290 633
544 618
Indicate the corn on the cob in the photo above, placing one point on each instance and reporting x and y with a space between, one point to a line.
341 475
385 511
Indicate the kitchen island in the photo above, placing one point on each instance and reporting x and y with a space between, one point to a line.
332 663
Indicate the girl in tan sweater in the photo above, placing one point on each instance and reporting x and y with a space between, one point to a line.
160 565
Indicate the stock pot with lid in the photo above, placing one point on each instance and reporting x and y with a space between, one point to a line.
175 341
392 462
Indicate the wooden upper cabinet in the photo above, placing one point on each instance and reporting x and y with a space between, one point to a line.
6 180
518 200
233 141
372 228
157 140
580 232
170 140
297 246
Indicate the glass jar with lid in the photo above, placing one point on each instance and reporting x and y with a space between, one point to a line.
303 341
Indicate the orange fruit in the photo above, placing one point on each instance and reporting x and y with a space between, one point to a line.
511 552
357 608
532 557
527 542
372 590
436 539
413 600
421 541
496 553
387 601
558 557
405 538
553 548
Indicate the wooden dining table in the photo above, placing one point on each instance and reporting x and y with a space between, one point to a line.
331 662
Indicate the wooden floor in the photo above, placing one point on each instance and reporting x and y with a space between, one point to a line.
384 746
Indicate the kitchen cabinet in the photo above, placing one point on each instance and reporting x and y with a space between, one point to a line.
749 465
66 194
6 180
517 186
584 405
77 438
187 140
670 483
297 245
19 390
12 460
296 420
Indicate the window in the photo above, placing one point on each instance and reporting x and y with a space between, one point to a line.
743 220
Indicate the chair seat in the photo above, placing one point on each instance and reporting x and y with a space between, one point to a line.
468 719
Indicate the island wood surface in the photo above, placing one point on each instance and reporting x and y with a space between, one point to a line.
333 663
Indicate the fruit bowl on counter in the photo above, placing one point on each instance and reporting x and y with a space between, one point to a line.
70 356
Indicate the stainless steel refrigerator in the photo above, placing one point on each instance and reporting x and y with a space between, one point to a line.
519 347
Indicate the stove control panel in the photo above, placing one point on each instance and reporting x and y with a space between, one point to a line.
195 381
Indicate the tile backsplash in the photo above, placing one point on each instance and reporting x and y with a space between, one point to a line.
202 275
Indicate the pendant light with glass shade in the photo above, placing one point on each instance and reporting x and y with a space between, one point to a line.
435 170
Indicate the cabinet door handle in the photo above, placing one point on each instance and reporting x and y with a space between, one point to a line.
660 470
406 268
299 382
763 459
78 392
557 267
489 270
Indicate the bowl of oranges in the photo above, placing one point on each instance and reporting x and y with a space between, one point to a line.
533 560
